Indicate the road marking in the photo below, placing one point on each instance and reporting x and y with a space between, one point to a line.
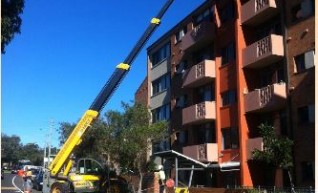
8 188
19 190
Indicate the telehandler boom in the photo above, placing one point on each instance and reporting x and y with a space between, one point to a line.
58 181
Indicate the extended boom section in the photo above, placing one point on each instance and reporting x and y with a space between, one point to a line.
102 98
120 73
72 141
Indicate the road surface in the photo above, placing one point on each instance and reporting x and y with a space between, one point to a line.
12 183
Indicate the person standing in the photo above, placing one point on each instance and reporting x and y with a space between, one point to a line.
162 178
27 182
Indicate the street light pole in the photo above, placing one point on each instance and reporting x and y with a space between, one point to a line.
50 141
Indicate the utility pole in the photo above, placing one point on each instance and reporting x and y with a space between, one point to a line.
44 154
50 140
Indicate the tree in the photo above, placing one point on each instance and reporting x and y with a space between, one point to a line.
133 137
32 152
13 150
10 20
277 150
93 142
10 148
125 138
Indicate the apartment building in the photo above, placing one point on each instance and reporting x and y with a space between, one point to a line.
300 49
225 69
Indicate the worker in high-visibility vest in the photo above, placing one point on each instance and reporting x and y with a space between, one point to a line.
27 182
21 172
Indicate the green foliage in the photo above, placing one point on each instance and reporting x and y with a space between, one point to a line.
123 137
277 150
90 145
151 166
134 136
10 20
13 150
32 152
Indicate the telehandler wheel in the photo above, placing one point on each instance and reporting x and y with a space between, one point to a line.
57 188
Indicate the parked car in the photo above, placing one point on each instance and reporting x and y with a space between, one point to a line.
34 173
38 181
14 170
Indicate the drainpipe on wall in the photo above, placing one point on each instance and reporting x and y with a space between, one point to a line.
290 133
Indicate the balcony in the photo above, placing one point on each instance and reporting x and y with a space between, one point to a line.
201 34
199 113
200 74
207 152
254 143
254 12
270 98
263 52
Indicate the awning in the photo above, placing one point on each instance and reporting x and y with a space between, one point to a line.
186 162
183 160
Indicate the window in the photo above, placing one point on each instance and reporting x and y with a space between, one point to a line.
162 145
183 137
181 67
304 61
203 54
161 113
228 97
228 53
302 10
206 134
283 122
273 26
227 13
161 84
280 75
161 54
205 93
230 138
181 101
180 34
207 15
306 114
88 166
271 75
308 170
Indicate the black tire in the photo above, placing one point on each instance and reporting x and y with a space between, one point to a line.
37 187
57 188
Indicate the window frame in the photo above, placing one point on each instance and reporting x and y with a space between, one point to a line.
303 63
298 8
230 138
306 114
163 53
162 113
229 97
226 55
178 36
160 84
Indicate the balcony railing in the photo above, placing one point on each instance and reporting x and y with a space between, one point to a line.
200 74
200 34
252 144
270 98
207 152
263 52
255 12
199 113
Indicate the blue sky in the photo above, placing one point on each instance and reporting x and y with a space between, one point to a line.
65 53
